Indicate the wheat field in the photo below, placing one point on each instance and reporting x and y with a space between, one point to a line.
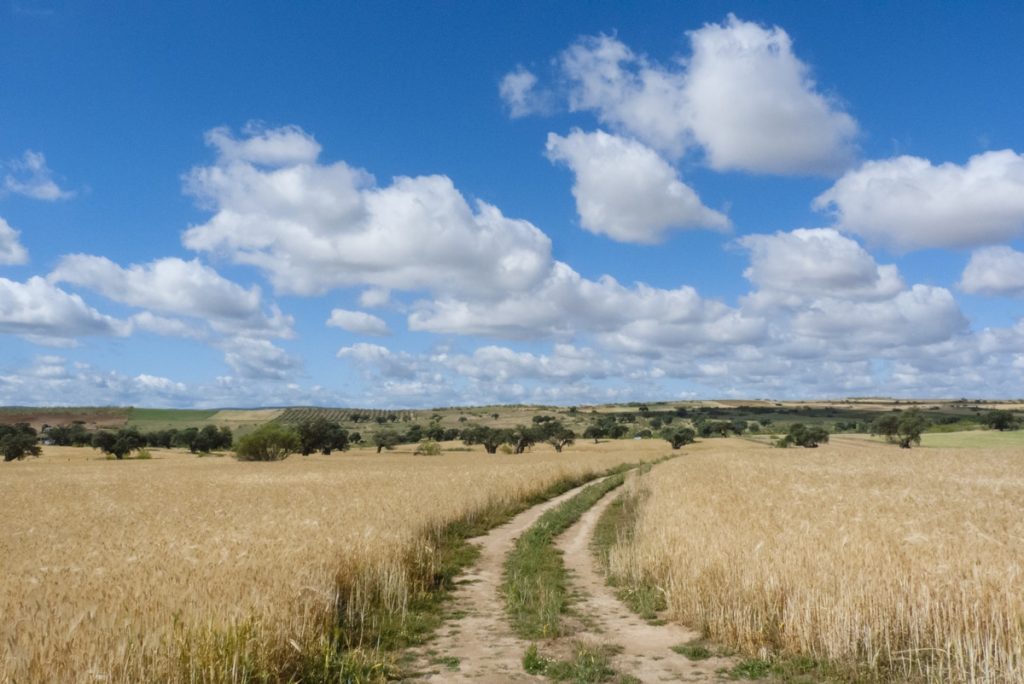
202 569
899 565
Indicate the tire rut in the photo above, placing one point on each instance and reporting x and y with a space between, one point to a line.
479 636
646 649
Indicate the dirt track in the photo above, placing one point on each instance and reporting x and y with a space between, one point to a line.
477 643
646 649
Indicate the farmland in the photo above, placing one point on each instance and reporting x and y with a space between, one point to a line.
897 564
177 567
865 560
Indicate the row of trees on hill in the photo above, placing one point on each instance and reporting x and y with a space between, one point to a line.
122 442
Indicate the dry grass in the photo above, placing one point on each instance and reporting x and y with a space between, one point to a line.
897 564
202 568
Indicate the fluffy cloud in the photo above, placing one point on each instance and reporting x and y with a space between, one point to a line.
42 312
518 89
31 177
566 363
358 322
374 297
178 287
269 146
315 227
626 191
908 203
628 92
817 261
11 251
742 96
753 105
259 359
566 303
994 271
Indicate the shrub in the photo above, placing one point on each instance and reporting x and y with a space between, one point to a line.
428 447
804 436
18 441
268 443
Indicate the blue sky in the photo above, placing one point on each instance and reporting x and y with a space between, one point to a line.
423 204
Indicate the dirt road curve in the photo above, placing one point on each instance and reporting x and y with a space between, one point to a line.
646 649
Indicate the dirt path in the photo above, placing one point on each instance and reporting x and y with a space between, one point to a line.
646 649
479 635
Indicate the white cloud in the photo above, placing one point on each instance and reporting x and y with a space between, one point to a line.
518 90
313 227
918 316
42 312
374 297
269 146
259 359
628 92
358 322
169 327
753 106
176 286
566 363
994 271
566 304
626 191
31 177
819 261
389 364
743 96
908 203
155 382
11 250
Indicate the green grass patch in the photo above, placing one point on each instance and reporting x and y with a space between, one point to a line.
974 439
535 583
589 663
164 419
693 651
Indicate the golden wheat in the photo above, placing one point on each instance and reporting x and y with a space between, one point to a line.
902 564
185 567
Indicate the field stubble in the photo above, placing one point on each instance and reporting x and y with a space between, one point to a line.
896 564
206 568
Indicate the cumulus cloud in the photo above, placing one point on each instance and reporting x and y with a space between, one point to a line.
176 286
314 227
994 271
742 96
753 105
817 260
374 297
261 145
518 90
566 363
42 312
626 191
31 177
358 322
909 203
11 250
393 365
566 303
259 359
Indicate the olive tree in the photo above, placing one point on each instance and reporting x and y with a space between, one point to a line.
269 442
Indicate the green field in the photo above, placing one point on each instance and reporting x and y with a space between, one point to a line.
974 439
164 419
